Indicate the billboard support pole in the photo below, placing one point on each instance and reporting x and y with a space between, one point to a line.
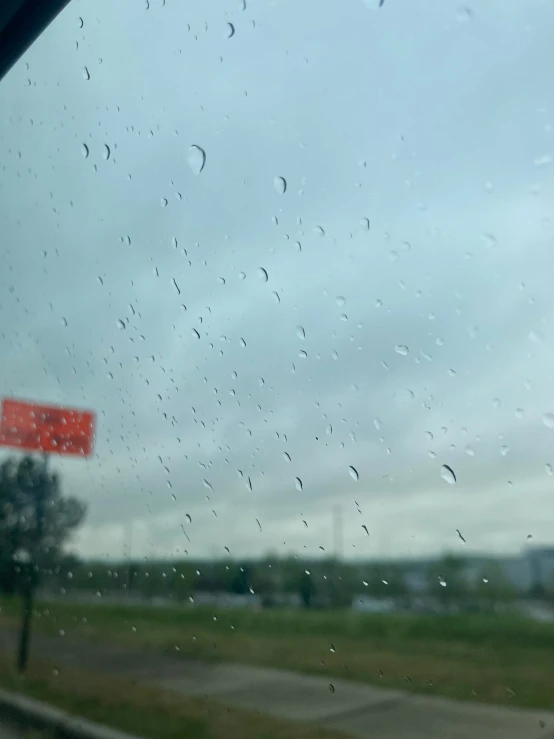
33 574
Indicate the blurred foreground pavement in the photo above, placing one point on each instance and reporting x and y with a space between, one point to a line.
353 708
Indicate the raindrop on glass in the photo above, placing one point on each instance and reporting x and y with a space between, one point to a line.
548 420
298 483
402 349
464 14
106 152
86 74
262 274
120 323
85 151
354 473
447 474
365 225
543 161
300 332
229 30
196 158
280 184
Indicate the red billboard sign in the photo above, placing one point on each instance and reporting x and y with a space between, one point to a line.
45 428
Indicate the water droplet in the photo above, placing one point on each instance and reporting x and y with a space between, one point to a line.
189 519
490 240
242 276
120 323
86 74
543 161
262 274
504 450
81 22
548 469
464 14
402 350
364 527
106 151
298 483
164 202
300 332
536 337
64 321
196 333
332 648
229 30
280 184
354 473
319 231
340 300
447 474
276 297
196 158
548 420
331 688
364 224
85 151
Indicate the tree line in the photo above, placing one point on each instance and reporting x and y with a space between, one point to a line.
37 521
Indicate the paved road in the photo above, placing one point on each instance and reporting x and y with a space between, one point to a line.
358 710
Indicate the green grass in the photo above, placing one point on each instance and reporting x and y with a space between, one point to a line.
489 658
148 712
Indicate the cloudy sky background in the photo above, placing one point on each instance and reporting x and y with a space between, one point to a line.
433 121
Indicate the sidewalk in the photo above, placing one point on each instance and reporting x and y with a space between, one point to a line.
356 709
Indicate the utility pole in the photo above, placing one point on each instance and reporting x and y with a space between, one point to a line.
337 532
32 565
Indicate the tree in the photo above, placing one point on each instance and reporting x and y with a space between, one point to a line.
494 588
36 520
448 582
240 584
306 589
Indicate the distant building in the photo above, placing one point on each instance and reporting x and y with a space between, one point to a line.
370 604
227 600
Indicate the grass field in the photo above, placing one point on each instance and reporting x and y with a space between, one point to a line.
148 712
494 659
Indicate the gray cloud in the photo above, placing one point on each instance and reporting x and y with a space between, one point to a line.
432 123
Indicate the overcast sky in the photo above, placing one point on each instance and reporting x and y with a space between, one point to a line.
391 311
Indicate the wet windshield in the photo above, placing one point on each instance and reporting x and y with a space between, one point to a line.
277 421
